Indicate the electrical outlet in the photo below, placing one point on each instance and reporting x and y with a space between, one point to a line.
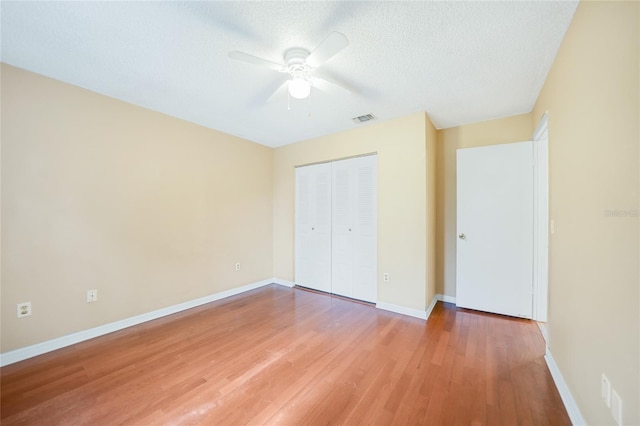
385 277
616 407
92 296
238 266
24 309
605 390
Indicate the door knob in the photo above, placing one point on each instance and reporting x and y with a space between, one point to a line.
462 236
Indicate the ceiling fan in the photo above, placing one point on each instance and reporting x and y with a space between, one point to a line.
301 65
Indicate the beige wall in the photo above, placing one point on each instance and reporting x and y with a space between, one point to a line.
592 95
402 146
505 130
100 194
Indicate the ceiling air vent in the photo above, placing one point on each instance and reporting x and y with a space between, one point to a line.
363 118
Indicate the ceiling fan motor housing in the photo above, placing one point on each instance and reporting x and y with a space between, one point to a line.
295 56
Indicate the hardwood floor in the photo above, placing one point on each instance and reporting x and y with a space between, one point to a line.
293 357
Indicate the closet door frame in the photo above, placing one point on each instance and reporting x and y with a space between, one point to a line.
359 279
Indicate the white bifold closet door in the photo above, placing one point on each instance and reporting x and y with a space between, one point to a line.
313 227
353 246
336 225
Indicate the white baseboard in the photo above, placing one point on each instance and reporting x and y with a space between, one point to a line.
445 298
71 339
542 326
284 282
563 389
431 306
417 313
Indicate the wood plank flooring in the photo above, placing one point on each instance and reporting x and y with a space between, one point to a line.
293 357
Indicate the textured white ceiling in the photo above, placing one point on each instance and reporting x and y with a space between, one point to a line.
461 62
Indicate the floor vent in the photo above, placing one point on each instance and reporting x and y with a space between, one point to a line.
363 118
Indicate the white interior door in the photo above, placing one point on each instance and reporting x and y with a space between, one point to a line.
495 229
354 235
313 227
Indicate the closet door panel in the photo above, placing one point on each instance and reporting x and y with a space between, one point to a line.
313 227
322 227
342 245
364 235
354 245
303 242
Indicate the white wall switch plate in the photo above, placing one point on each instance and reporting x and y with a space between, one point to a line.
92 296
605 390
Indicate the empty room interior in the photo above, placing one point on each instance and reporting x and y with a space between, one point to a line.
320 212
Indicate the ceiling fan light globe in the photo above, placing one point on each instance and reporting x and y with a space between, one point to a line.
299 88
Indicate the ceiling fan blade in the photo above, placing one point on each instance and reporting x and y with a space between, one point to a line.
279 93
326 50
245 57
330 86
